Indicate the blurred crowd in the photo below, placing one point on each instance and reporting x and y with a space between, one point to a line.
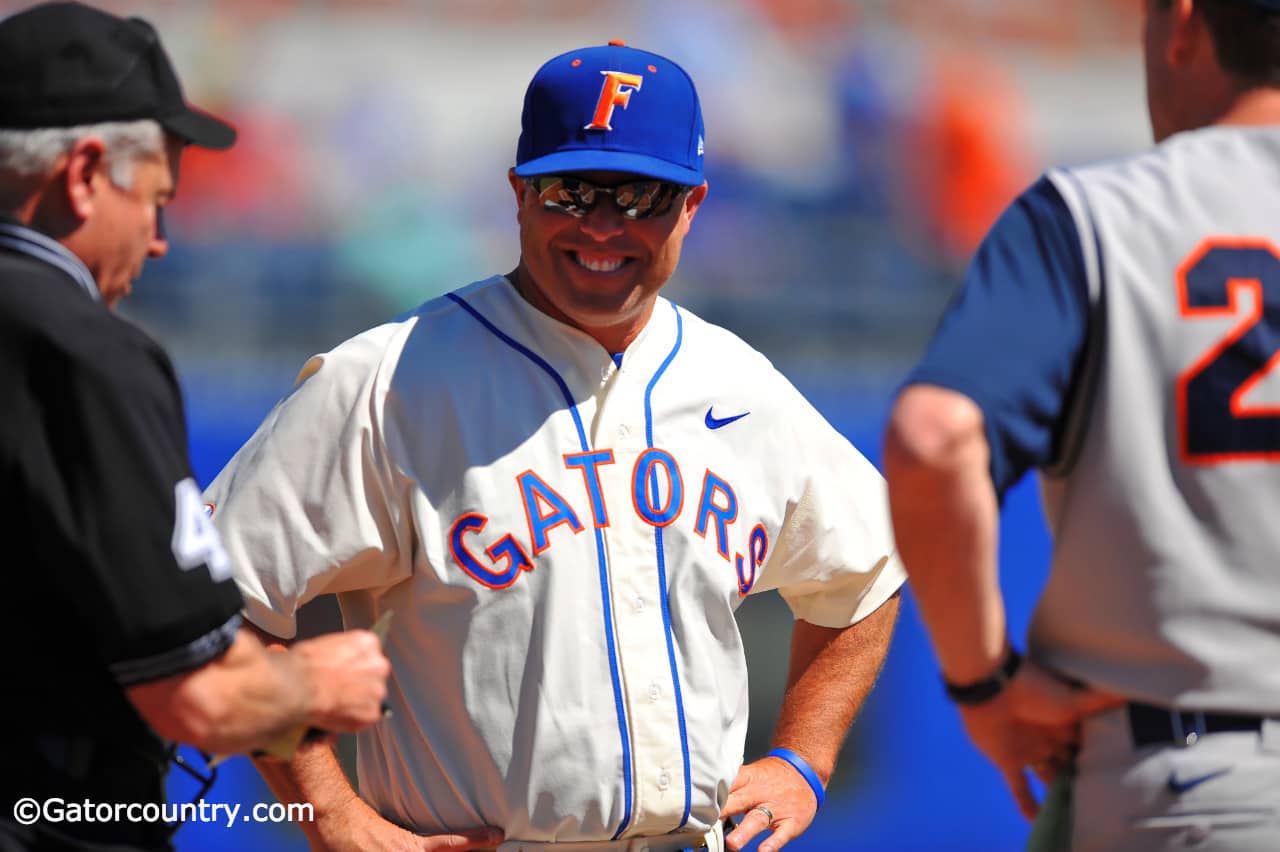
856 152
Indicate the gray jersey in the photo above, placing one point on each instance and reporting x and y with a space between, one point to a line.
1165 583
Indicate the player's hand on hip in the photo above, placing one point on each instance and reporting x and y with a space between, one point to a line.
359 828
1033 726
771 796
348 672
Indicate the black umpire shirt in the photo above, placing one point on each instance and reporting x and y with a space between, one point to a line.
112 574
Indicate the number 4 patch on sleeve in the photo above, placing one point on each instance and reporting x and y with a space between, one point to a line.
195 539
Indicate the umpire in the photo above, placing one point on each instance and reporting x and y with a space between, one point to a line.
124 625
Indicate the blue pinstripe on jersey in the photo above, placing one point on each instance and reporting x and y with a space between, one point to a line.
605 594
662 569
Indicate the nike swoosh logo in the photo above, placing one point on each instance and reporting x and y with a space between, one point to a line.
714 422
1179 787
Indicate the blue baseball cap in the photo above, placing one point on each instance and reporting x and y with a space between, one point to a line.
612 108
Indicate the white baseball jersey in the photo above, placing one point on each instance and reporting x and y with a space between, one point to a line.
564 542
1165 583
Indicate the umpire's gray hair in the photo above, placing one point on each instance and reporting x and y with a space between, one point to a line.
27 156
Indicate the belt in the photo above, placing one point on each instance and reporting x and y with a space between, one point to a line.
1152 725
711 841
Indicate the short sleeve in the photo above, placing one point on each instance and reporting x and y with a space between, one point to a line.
1013 337
310 504
834 561
111 499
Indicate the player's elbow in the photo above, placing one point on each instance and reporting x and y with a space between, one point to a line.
932 431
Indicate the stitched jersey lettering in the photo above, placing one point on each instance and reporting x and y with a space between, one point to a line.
657 489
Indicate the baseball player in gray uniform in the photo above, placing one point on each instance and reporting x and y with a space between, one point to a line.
1120 330
563 485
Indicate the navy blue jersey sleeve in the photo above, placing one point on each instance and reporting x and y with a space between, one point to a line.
1013 336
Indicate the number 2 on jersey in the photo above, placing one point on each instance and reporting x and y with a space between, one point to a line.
1215 423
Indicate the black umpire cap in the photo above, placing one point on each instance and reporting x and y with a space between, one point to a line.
66 64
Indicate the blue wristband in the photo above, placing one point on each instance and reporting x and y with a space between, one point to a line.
806 771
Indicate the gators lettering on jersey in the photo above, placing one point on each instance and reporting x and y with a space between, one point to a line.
657 491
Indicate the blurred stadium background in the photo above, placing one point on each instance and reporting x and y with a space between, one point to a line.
856 152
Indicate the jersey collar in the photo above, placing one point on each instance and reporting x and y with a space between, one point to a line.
17 237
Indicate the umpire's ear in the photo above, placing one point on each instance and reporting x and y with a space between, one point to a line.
85 175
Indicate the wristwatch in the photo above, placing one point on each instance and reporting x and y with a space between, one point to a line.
984 690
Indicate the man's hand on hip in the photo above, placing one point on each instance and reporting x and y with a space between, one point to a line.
1032 725
356 827
770 795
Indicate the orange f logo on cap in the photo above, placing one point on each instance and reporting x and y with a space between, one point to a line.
613 94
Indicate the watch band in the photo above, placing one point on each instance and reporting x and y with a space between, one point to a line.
984 690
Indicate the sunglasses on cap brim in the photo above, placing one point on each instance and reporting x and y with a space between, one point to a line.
640 199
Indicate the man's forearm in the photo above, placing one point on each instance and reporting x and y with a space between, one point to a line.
831 673
315 777
252 695
246 698
946 520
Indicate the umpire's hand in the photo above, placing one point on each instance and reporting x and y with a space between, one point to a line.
347 673
770 795
1032 725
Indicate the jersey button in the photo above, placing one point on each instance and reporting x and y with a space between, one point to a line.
664 781
639 604
624 430
655 691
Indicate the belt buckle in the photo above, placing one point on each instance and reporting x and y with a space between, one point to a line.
1188 728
